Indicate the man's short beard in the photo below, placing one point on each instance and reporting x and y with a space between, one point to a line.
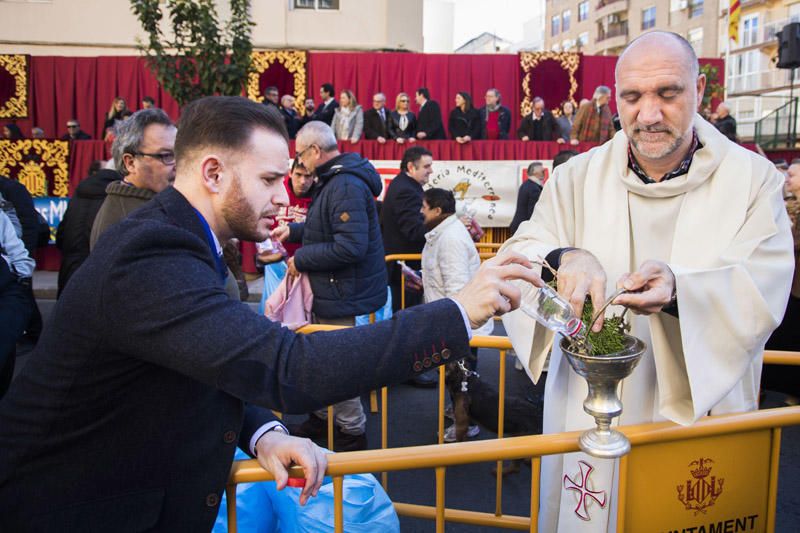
239 216
667 151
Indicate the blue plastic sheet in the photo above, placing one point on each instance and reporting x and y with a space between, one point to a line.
261 508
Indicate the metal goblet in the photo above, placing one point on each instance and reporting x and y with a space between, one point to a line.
603 374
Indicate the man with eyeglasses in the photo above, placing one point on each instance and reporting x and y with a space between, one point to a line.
144 155
74 132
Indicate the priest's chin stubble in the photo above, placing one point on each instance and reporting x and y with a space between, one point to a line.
660 150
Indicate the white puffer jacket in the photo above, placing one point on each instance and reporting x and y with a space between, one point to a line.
449 261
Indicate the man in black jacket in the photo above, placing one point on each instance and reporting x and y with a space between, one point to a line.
342 253
540 125
327 107
528 195
725 123
74 132
76 225
376 120
127 413
429 119
402 223
495 117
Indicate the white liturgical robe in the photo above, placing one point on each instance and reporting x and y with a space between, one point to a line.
724 232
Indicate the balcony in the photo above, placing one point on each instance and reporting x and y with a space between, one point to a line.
758 82
765 36
609 7
615 36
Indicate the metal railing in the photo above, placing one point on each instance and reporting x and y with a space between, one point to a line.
441 456
614 30
778 128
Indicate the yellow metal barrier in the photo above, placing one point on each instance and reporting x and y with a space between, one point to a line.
441 456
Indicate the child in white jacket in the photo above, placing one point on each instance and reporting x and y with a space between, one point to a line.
449 261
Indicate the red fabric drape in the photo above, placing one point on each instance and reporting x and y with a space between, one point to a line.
551 81
594 71
81 155
366 73
277 75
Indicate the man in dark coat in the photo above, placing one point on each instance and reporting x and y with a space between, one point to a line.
74 132
429 119
327 107
76 225
342 254
725 123
539 125
528 195
495 117
402 223
17 194
376 120
127 413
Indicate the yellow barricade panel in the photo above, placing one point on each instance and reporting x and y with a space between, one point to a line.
708 485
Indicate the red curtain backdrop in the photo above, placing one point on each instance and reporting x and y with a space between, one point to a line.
83 88
277 75
81 155
8 86
366 73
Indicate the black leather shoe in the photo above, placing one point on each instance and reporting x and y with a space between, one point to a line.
427 380
313 428
344 442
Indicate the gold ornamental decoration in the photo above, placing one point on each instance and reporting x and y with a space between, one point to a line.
295 63
17 105
30 161
569 61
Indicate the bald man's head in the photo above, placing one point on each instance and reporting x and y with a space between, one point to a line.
658 41
658 91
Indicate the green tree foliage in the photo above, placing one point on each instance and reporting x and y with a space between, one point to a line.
713 88
199 57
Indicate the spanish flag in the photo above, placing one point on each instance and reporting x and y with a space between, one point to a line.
733 20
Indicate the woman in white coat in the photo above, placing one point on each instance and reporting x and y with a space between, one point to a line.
449 261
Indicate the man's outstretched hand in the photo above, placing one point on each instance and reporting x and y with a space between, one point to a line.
491 292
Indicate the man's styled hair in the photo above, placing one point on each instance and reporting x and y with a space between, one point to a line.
441 198
412 155
271 89
424 92
224 122
319 133
130 134
149 100
601 90
563 156
328 88
533 166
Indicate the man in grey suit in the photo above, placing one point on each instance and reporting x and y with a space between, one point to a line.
126 416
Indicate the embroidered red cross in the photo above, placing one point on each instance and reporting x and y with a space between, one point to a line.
584 492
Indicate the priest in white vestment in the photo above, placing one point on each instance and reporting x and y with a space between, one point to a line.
696 226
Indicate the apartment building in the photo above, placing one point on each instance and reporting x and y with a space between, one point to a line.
756 86
604 27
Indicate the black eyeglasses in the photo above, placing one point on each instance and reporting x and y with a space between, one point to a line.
72 126
167 158
299 154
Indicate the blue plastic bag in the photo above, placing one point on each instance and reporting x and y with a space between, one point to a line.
384 313
261 508
273 274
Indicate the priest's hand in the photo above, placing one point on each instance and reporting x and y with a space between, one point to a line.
580 274
490 292
276 451
653 285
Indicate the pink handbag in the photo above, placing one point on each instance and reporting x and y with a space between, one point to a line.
291 302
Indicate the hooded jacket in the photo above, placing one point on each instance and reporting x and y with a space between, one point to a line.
76 226
342 247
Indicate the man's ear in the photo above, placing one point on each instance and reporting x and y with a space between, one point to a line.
127 162
211 169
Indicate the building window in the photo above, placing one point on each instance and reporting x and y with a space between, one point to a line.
649 18
583 11
316 4
695 8
749 30
583 39
695 38
565 16
555 25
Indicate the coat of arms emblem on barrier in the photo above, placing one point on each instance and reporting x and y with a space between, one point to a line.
700 492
